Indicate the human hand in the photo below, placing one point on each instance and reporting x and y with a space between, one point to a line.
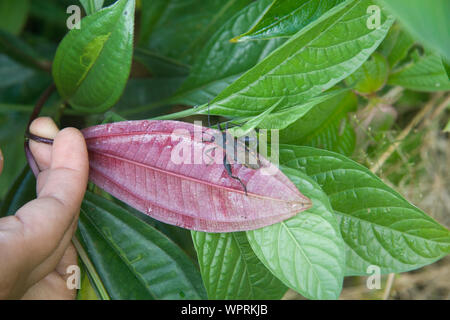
35 243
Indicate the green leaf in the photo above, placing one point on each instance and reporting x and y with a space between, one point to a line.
326 126
312 61
446 64
92 6
11 72
134 260
221 62
447 127
11 144
372 75
378 225
160 66
286 17
251 124
396 45
13 15
305 252
426 73
283 118
22 52
428 21
22 191
179 29
92 64
141 96
231 270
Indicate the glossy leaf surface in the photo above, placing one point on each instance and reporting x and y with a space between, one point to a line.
132 259
173 172
231 270
309 63
286 17
377 224
305 252
92 63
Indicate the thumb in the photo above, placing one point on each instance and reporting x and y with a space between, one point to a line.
42 153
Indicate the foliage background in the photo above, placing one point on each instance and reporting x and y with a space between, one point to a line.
419 171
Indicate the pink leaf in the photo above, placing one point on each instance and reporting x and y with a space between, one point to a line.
138 162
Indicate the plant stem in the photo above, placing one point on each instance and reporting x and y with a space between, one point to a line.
404 133
91 269
28 135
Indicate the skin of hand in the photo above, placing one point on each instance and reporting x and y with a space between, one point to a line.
35 243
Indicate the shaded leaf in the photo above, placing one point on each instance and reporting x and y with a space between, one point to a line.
372 75
180 28
326 126
22 191
22 52
12 72
133 260
221 62
231 270
159 65
13 15
161 168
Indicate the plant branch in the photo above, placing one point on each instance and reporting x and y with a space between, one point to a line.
28 135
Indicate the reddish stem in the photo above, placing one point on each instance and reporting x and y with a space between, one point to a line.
28 135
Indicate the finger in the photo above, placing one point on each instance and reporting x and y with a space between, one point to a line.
47 219
55 258
46 128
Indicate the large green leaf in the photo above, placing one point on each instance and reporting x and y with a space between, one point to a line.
134 260
305 252
326 126
284 18
12 127
92 64
426 20
180 28
425 73
221 62
13 15
314 60
231 270
378 225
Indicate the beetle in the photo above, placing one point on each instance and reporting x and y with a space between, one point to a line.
232 152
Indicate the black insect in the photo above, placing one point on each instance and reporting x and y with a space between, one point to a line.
238 146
